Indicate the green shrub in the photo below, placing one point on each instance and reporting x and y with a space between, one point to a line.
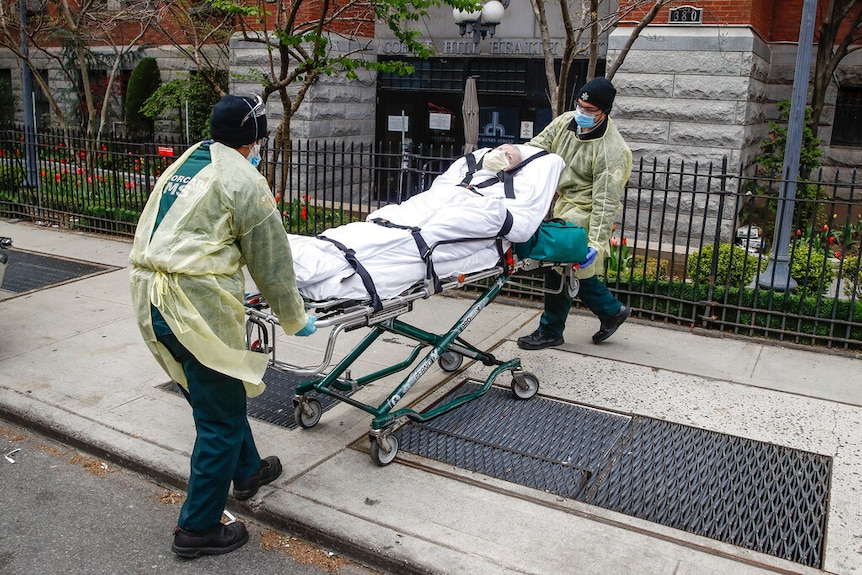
852 277
107 219
812 271
640 267
192 94
302 216
735 266
11 177
143 82
762 206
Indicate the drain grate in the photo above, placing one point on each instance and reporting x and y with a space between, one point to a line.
756 495
28 271
275 404
752 494
510 440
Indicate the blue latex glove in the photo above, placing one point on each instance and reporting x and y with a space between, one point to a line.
591 257
309 328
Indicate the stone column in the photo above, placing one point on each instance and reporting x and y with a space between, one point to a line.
693 94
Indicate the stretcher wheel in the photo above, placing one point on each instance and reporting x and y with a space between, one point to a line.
307 412
524 384
450 361
573 286
383 449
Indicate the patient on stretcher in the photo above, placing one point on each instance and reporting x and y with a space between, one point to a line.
467 207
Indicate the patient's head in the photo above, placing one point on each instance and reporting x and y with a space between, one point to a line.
502 158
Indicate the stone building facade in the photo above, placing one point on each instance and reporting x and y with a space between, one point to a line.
697 89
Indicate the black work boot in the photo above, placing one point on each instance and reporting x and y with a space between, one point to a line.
216 540
610 325
538 340
270 469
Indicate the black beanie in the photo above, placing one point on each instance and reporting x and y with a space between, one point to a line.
600 93
238 120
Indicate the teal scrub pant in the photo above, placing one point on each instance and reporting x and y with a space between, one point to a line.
593 293
224 449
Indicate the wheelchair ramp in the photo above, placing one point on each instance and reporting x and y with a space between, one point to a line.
29 271
751 494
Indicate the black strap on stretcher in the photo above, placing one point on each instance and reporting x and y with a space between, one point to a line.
350 256
424 250
507 177
472 166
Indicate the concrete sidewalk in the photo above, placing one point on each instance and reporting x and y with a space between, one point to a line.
72 362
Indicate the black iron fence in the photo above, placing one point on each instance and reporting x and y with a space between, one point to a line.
692 246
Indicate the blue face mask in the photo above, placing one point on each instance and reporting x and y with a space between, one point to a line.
254 155
584 120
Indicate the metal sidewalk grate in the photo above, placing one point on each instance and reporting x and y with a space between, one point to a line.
752 494
275 404
28 271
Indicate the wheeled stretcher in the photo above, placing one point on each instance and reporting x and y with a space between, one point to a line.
447 348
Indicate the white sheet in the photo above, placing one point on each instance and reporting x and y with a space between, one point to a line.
445 211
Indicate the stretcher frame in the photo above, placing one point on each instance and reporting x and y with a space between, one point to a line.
447 349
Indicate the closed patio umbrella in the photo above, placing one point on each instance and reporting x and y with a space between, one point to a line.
470 110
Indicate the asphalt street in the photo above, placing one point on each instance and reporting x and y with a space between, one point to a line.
67 512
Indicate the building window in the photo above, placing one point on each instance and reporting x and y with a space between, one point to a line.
42 106
494 76
431 75
847 126
7 102
501 76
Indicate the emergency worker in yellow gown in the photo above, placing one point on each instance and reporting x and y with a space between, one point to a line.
210 214
598 165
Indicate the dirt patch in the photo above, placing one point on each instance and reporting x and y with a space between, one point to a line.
303 552
94 466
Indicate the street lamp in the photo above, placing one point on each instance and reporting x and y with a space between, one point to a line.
482 22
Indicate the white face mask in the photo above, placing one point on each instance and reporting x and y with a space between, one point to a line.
254 155
495 161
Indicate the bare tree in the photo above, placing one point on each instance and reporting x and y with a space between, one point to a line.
308 39
839 34
66 34
595 18
200 31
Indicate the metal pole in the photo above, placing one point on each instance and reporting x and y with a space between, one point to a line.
188 133
31 176
777 273
404 162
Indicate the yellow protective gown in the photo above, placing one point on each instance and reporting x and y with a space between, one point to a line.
592 183
191 269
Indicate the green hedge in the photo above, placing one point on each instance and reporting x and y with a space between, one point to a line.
749 311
